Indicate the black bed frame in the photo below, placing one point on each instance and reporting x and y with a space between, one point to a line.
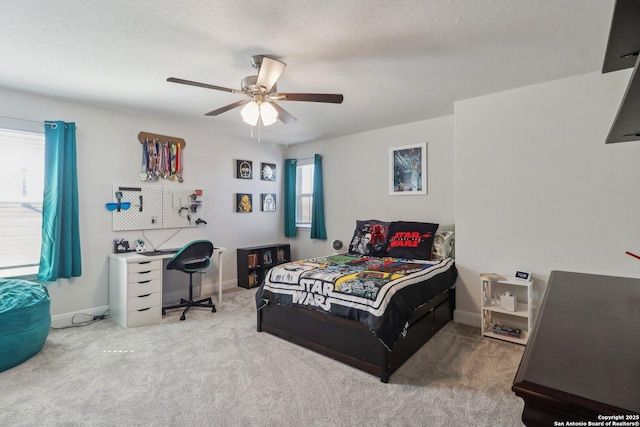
351 342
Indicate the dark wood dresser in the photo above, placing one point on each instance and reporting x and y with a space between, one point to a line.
582 362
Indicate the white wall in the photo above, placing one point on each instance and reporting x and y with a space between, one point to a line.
524 175
356 181
109 152
537 188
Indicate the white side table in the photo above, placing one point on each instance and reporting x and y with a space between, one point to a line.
493 313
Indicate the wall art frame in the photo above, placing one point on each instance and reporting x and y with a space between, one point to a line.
268 202
244 202
268 171
244 169
408 170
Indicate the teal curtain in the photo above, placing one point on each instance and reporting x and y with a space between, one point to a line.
318 230
60 252
290 166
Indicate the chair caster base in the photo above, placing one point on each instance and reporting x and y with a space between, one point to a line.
182 317
213 310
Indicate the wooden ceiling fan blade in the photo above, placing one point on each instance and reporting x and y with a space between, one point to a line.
270 71
227 107
310 97
283 115
204 85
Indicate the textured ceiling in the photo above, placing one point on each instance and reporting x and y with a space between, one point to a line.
394 61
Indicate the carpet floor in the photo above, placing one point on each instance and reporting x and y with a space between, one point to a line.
214 369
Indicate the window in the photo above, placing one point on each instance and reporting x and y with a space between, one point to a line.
21 193
304 192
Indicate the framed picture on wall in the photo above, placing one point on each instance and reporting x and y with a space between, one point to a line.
244 169
244 202
268 202
408 170
268 171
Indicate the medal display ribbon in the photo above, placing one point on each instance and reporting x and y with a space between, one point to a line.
161 157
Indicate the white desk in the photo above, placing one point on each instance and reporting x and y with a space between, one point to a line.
135 286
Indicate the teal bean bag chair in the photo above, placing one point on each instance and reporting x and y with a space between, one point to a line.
25 320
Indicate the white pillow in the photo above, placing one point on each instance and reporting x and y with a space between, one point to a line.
442 244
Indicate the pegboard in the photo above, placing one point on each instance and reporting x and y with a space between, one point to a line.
180 207
155 207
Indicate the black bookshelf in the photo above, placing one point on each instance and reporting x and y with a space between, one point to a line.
255 261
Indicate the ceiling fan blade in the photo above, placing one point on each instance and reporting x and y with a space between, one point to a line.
227 107
284 116
204 85
270 71
310 97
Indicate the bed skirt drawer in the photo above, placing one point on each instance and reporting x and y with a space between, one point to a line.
441 316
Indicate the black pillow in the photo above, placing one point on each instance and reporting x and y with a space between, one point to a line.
370 238
412 240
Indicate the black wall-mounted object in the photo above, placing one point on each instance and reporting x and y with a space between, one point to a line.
622 52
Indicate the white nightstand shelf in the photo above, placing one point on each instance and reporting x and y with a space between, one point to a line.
493 313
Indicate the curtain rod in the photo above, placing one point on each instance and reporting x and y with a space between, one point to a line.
54 125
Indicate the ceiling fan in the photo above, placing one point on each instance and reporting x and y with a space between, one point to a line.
262 92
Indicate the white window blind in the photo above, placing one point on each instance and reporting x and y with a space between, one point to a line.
21 193
304 192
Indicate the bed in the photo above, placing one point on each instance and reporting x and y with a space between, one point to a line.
367 307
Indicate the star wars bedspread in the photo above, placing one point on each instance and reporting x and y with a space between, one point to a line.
383 293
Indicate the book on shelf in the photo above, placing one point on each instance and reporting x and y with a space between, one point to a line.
507 331
492 276
252 260
253 279
266 257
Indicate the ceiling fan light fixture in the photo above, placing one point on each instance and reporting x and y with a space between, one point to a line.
262 90
268 114
250 113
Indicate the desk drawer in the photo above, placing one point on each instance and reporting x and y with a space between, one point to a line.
144 301
144 316
134 267
143 276
135 289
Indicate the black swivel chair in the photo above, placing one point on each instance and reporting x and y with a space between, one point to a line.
192 258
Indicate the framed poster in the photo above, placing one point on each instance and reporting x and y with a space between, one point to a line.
244 169
244 202
268 171
268 202
408 170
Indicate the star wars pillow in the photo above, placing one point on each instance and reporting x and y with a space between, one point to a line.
411 240
370 238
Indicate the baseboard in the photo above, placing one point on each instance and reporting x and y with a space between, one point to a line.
206 289
212 287
467 318
67 319
73 319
